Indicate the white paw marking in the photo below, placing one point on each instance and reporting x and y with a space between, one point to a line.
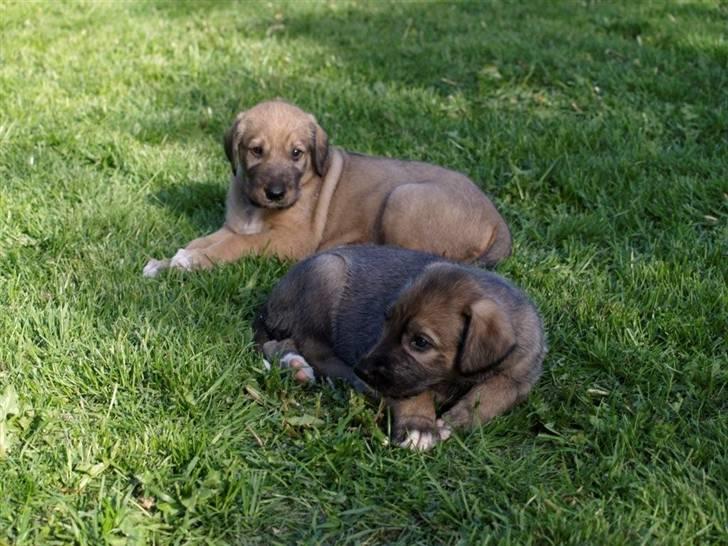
155 267
182 260
266 365
418 441
297 362
444 429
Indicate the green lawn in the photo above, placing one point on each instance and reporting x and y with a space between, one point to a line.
135 410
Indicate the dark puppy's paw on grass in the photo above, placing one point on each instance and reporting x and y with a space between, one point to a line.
418 433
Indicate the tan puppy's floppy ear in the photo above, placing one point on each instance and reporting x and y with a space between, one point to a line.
319 148
489 337
232 137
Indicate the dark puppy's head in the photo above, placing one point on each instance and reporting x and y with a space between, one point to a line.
274 148
442 329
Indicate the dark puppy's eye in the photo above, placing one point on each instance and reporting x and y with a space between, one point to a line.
420 343
296 154
257 151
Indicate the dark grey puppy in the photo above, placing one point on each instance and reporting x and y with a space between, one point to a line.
420 330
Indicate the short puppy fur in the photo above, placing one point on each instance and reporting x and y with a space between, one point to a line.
424 332
291 194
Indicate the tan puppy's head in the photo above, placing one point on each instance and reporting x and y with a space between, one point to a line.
442 329
274 148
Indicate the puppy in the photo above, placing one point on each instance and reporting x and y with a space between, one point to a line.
292 194
422 331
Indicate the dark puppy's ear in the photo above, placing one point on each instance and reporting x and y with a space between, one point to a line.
319 148
489 337
232 137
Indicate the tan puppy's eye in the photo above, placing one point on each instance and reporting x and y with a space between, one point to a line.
257 151
420 343
296 154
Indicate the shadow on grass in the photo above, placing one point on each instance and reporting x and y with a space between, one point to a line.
202 202
468 50
529 69
419 43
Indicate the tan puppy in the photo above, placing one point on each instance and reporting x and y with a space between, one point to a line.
419 330
291 194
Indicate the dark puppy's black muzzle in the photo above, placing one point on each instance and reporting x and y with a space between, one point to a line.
364 374
385 375
370 369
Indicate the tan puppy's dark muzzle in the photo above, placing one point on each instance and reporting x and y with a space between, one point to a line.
273 187
275 191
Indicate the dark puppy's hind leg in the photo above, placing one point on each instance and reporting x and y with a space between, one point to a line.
303 302
288 356
277 348
295 322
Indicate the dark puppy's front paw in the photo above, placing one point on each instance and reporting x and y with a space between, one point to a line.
417 434
460 416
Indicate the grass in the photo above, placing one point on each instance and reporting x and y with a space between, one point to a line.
136 411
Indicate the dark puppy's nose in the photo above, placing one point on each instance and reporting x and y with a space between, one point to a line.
368 368
275 192
362 373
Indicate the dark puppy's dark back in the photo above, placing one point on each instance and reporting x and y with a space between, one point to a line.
376 276
349 314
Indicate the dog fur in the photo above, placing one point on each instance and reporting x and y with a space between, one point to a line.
292 194
423 331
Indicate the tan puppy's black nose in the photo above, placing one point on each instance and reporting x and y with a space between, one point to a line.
275 192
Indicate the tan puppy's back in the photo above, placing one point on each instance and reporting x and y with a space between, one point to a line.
414 205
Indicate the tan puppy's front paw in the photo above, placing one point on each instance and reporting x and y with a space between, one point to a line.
189 260
155 267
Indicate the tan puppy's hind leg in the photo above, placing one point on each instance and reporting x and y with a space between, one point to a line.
429 218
